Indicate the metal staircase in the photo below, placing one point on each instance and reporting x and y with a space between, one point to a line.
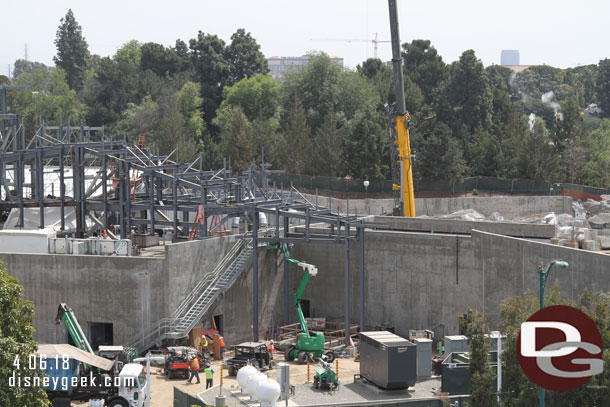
199 300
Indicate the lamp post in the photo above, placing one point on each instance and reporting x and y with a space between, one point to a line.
543 275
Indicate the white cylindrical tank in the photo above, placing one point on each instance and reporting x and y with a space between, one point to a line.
252 383
96 403
268 391
242 377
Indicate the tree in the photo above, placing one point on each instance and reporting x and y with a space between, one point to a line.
162 61
476 329
328 146
244 57
189 105
17 344
294 148
603 86
257 96
439 155
536 158
468 95
240 141
24 66
212 69
72 51
50 98
366 146
596 172
425 67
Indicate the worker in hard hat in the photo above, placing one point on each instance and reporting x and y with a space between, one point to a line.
221 342
209 376
204 344
271 346
194 365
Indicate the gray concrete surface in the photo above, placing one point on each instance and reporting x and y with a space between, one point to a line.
508 206
450 226
349 393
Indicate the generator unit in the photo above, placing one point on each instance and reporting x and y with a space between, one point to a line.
387 360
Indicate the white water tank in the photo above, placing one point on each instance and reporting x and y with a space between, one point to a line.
242 377
268 391
96 403
252 383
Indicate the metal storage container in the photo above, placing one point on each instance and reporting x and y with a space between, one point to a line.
387 360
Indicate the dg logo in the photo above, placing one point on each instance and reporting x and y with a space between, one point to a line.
560 348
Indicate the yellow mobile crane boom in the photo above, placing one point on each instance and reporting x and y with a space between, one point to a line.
402 122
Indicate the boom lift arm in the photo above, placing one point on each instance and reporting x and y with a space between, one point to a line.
66 315
310 270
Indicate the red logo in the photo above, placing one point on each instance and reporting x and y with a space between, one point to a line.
560 348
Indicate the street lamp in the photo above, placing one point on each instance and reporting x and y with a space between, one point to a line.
543 276
366 185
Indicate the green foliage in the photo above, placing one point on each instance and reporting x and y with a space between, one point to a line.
16 341
240 141
244 57
603 86
327 147
483 379
49 98
163 61
424 67
366 146
596 172
72 51
212 70
294 146
22 66
538 80
256 96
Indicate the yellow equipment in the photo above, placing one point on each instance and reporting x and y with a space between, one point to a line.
402 122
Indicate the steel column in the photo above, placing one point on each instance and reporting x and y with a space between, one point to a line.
255 276
347 288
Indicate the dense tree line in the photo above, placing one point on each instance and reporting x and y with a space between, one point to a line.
215 98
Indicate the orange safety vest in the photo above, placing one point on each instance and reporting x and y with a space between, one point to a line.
222 342
195 364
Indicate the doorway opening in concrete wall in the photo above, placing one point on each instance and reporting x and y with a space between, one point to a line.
100 333
305 304
218 323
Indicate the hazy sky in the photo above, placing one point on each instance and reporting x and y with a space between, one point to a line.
559 33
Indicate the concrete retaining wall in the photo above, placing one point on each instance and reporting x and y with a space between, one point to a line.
416 280
510 206
126 291
465 227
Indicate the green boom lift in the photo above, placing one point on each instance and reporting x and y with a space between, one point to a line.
308 344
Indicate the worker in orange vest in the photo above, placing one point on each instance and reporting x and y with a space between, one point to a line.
194 369
271 347
221 342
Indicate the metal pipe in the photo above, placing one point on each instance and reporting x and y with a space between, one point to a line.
347 288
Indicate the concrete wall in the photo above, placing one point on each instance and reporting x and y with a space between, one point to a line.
132 293
128 292
416 280
529 230
510 207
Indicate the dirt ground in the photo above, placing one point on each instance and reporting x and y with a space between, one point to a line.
162 389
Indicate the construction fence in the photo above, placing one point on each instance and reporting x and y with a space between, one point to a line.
182 399
426 188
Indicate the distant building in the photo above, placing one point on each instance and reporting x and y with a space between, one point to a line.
509 57
278 66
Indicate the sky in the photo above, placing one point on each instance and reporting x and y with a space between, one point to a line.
558 33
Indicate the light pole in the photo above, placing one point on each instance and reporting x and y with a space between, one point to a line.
543 276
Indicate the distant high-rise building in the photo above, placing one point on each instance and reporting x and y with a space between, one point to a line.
278 66
509 57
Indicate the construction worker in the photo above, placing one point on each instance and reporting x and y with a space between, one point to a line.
204 344
221 342
209 376
271 347
194 369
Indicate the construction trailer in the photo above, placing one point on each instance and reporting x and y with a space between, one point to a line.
387 360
